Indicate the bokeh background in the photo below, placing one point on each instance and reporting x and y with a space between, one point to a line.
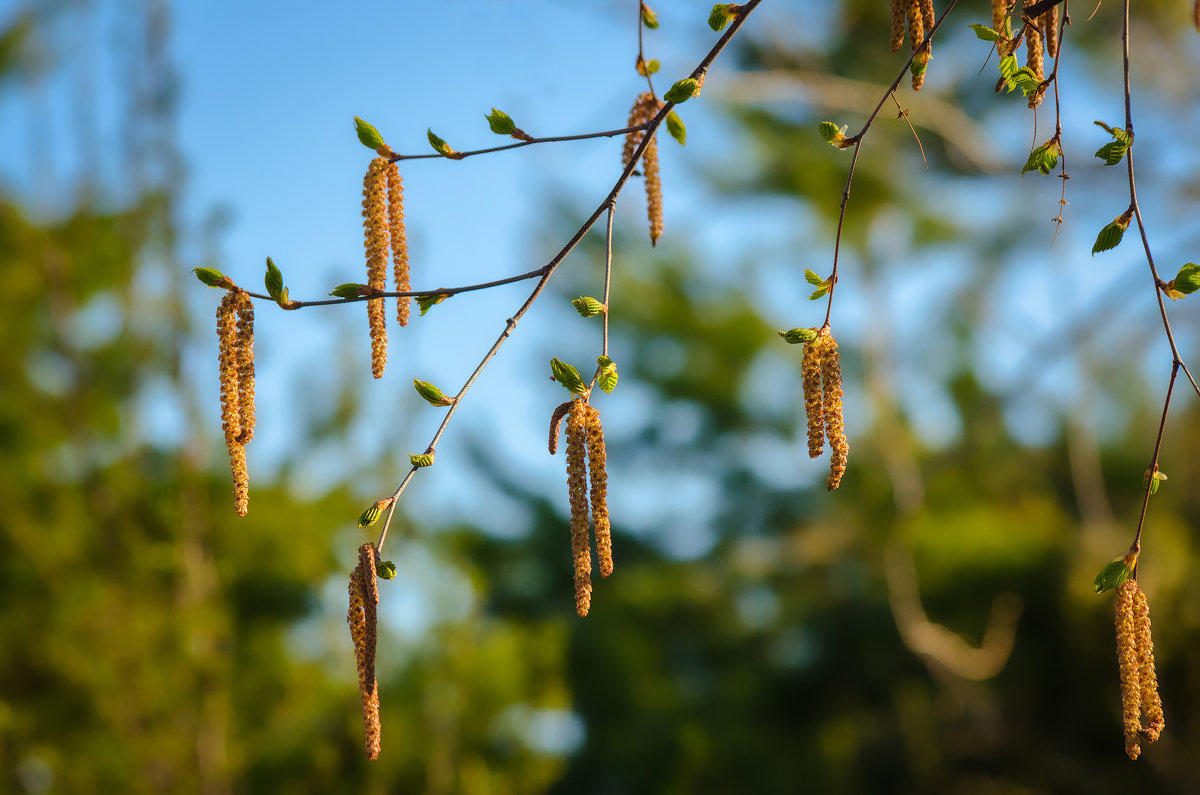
931 627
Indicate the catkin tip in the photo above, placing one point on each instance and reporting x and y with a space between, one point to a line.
556 418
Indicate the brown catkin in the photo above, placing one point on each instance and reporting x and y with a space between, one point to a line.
577 487
399 241
643 110
1151 703
810 368
231 412
1035 61
928 16
897 10
1129 665
654 208
375 241
556 418
831 400
361 616
245 361
1196 14
598 474
1050 28
916 34
999 14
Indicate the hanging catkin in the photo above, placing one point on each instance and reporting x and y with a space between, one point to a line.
361 616
399 241
375 241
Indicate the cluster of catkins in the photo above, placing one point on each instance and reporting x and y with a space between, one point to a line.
645 107
235 337
361 616
822 372
1141 707
1041 38
920 20
587 484
383 228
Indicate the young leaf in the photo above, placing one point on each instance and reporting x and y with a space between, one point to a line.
1119 134
675 128
649 67
368 136
274 281
212 277
721 14
500 122
1112 575
649 18
818 293
348 290
568 376
985 33
422 460
587 306
798 336
1112 152
834 135
1044 158
439 146
682 91
432 395
1110 236
371 515
427 301
385 570
608 374
1186 282
812 278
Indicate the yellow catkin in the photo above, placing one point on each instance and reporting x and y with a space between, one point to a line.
399 241
916 34
556 418
810 368
1034 60
1049 22
361 616
928 16
897 10
643 110
577 487
375 241
1130 668
1196 14
654 207
245 360
831 400
231 413
598 473
1151 703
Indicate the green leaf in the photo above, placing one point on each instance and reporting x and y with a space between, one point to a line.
1025 80
385 570
608 374
432 395
650 67
812 278
371 515
834 135
721 14
212 277
985 33
500 122
422 460
274 281
587 306
348 290
1110 236
1112 152
568 376
1112 575
368 136
675 128
798 336
1187 281
1044 158
818 293
682 91
427 301
439 146
649 18
1008 65
1119 134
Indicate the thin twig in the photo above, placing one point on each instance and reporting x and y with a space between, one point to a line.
641 52
548 271
406 293
519 144
903 114
1062 157
857 139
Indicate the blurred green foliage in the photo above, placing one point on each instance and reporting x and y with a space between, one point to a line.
153 643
